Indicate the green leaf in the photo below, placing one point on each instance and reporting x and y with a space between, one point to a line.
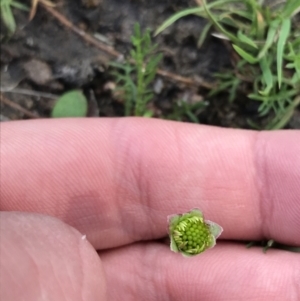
218 25
283 36
137 32
280 121
220 88
267 76
8 18
192 116
191 11
243 38
176 17
70 104
232 91
203 35
291 8
148 114
296 79
133 54
273 28
20 6
245 55
259 25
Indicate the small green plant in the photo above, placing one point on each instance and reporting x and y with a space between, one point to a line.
70 104
190 234
182 109
137 73
266 39
7 14
271 243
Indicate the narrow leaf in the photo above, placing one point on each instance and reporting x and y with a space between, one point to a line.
8 18
281 121
267 76
270 37
284 34
176 17
245 55
203 35
20 6
218 25
291 8
191 11
246 40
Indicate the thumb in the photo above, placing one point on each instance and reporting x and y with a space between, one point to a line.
45 259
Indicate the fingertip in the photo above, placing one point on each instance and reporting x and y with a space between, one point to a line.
41 257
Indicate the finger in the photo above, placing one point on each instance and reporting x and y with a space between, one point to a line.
44 259
117 179
228 272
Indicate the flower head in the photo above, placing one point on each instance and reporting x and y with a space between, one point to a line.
190 234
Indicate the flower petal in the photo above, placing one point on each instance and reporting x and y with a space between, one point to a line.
213 242
196 212
173 245
173 219
214 228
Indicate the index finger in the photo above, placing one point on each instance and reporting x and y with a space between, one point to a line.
117 180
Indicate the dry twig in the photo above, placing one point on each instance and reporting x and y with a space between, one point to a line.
90 39
17 107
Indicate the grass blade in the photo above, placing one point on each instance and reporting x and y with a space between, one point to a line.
291 8
8 17
218 25
246 40
245 55
204 35
280 121
179 15
270 37
284 34
190 11
20 6
267 76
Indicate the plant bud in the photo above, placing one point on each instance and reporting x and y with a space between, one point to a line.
190 234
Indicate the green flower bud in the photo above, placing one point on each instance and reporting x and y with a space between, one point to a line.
190 234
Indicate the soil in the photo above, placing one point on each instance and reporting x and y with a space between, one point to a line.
46 58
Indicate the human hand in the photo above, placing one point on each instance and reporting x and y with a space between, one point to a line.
116 181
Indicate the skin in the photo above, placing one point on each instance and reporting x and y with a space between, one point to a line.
116 181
